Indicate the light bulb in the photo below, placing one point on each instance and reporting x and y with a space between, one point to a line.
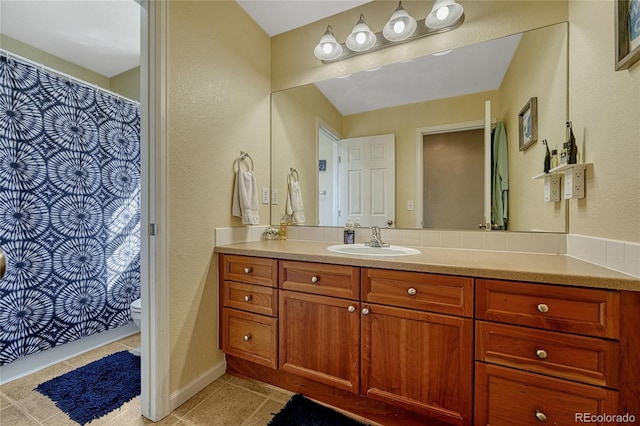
442 13
398 27
327 48
361 38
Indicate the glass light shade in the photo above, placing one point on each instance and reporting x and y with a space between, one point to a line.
361 38
443 14
400 26
328 48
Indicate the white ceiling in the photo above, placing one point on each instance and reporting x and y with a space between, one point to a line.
104 36
100 35
279 16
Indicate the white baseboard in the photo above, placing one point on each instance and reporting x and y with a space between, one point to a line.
36 362
182 395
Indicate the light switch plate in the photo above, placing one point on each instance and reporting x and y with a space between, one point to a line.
274 196
265 195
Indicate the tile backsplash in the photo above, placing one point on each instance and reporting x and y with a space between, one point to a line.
621 256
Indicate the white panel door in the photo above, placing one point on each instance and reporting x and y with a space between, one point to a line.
368 180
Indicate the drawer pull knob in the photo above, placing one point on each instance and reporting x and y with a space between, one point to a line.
247 298
314 279
246 337
351 309
541 353
541 416
247 270
543 307
365 311
412 291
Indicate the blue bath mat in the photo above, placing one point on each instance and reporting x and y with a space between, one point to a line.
97 388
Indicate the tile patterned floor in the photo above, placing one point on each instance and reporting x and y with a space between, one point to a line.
227 401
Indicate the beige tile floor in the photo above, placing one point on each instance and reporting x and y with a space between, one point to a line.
227 401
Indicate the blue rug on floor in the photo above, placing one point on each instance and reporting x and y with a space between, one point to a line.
97 388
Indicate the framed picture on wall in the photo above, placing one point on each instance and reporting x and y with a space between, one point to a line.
528 124
627 33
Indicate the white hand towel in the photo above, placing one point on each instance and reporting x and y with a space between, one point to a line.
295 206
245 198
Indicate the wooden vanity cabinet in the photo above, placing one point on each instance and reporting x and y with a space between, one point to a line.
320 339
249 302
412 355
547 353
401 347
320 323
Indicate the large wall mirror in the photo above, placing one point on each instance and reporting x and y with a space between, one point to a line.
431 113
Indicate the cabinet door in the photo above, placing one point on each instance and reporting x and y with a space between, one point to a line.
319 339
418 360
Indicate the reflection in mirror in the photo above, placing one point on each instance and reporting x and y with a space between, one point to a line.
310 122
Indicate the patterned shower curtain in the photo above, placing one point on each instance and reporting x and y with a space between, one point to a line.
69 210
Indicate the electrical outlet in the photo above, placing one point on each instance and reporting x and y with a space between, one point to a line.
274 196
410 205
265 195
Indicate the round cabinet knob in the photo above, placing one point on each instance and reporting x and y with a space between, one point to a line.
541 416
541 353
412 291
247 270
351 309
543 307
246 337
247 298
314 279
365 311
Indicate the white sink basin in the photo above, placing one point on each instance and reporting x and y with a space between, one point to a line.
362 250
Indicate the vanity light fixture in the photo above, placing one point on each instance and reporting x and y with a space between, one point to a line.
361 38
445 15
400 26
328 48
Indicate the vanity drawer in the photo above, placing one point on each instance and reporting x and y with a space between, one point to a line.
252 298
430 292
251 270
250 336
320 278
569 309
584 359
505 396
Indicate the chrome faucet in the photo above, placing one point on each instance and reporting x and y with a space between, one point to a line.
376 239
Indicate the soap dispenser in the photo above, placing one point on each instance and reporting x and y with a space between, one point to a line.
349 232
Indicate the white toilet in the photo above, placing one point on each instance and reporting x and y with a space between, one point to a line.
136 312
136 316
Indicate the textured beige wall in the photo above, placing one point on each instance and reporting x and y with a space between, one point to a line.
604 106
543 74
40 56
403 122
219 89
127 84
293 63
295 115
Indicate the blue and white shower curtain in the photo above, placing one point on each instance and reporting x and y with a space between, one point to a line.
69 210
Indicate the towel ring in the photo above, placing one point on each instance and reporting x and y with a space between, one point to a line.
244 156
